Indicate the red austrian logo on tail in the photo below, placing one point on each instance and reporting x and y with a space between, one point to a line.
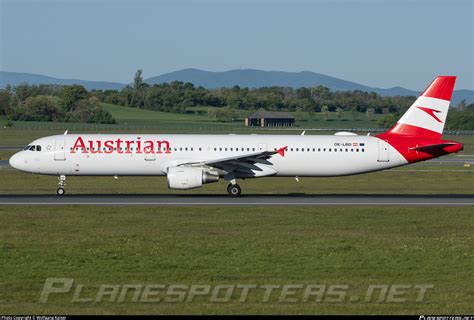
431 113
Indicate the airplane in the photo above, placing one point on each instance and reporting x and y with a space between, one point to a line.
190 161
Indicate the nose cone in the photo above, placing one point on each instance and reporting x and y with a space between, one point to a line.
18 161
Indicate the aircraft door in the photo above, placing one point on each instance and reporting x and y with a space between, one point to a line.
60 150
383 151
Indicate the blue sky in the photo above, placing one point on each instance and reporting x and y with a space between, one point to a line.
377 43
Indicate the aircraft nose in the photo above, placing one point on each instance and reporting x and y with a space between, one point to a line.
17 161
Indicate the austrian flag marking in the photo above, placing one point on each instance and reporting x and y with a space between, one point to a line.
121 146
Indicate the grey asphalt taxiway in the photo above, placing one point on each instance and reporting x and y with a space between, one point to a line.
245 200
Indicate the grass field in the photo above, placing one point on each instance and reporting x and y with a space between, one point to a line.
138 119
441 180
357 247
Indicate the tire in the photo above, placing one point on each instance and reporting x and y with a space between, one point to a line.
60 191
234 190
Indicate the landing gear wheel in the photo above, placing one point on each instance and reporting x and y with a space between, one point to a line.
234 190
61 183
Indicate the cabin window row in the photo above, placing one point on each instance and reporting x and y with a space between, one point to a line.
324 149
38 148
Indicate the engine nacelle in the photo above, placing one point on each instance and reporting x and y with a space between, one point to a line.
189 177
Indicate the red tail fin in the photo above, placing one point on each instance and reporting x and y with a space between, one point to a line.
427 115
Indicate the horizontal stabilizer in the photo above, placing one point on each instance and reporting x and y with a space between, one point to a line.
433 146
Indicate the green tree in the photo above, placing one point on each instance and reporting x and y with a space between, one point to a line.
139 91
460 120
299 114
339 113
325 111
89 111
387 121
22 92
39 108
5 102
70 95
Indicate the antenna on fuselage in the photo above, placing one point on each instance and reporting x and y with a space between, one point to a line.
65 132
302 133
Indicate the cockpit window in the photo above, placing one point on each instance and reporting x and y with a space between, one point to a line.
33 147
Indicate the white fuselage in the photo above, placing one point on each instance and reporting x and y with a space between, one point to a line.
310 155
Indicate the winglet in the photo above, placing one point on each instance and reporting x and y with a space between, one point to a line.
281 151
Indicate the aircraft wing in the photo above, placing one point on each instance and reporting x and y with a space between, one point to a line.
245 161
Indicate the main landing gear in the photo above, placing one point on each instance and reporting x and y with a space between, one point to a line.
234 190
62 183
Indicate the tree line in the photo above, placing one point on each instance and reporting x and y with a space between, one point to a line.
73 103
44 102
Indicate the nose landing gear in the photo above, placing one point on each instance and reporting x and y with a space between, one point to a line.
62 184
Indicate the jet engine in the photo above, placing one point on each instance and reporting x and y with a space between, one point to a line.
189 177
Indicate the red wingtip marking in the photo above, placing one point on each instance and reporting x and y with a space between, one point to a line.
281 151
431 113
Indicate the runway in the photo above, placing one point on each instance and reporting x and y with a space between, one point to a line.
245 200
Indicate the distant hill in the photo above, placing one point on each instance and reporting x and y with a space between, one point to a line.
244 78
258 78
15 78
